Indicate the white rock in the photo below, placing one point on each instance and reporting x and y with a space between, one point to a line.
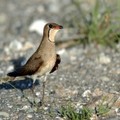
37 26
25 107
62 51
86 93
10 68
59 118
15 45
5 114
104 59
3 18
37 93
1 72
29 116
37 100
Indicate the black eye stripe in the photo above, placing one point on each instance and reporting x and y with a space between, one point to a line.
50 26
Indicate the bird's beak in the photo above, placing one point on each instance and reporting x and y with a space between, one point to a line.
58 27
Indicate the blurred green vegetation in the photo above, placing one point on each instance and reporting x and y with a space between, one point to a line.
102 27
70 113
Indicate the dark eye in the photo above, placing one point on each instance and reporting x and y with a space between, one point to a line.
50 26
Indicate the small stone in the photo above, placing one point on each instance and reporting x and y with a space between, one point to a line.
46 108
117 103
97 92
15 45
37 100
41 8
3 18
86 93
37 26
10 68
29 116
4 114
94 117
25 107
7 50
105 79
1 72
37 93
59 118
104 59
10 106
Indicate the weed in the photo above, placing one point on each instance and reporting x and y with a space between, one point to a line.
70 113
101 27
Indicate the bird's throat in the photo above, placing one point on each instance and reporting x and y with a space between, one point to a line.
51 35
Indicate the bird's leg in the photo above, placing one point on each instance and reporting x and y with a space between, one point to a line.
33 85
32 89
43 90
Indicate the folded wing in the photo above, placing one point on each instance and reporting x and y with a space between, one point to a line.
31 67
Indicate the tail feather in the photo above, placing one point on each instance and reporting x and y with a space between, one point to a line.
15 73
12 74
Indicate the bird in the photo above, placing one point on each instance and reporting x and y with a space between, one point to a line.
44 60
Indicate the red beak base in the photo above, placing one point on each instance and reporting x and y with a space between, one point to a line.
58 27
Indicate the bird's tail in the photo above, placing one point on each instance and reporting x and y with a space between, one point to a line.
12 74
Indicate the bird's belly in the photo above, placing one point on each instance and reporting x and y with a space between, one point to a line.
47 67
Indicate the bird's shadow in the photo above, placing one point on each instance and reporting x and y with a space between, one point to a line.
19 84
27 83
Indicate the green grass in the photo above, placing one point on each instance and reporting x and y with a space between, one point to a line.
70 113
102 27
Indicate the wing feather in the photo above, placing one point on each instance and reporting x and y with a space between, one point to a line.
32 65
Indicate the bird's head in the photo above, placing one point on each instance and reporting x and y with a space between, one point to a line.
51 29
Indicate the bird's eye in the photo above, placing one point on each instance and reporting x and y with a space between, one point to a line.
50 26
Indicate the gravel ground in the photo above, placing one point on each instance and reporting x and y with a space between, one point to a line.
84 73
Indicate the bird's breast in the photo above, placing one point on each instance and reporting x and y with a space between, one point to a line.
48 64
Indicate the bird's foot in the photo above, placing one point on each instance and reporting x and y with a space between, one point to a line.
36 103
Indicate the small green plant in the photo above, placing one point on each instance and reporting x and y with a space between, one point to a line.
70 113
101 27
101 30
102 108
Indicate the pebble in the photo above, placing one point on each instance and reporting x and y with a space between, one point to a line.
97 92
15 45
4 114
37 26
86 93
25 107
10 68
37 93
103 59
54 7
59 118
37 100
1 72
46 108
105 79
3 18
94 117
29 116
